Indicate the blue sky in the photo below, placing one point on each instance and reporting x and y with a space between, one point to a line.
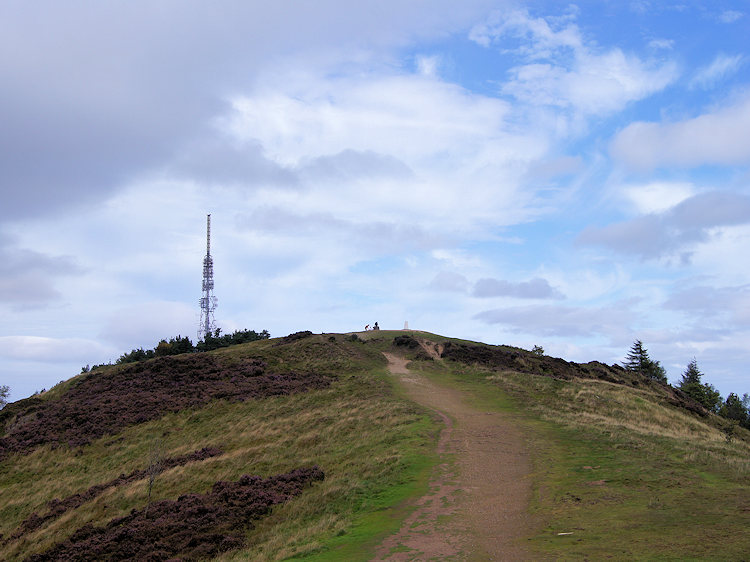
525 173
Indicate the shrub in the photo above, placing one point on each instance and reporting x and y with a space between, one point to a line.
296 336
405 341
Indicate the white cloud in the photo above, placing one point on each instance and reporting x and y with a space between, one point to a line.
726 256
428 65
345 174
449 281
442 141
676 231
666 44
658 196
456 258
28 278
86 108
596 84
722 66
564 321
730 16
46 349
536 288
719 137
143 325
709 302
556 167
565 71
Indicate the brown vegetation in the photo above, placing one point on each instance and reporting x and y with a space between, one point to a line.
56 507
103 403
195 526
520 361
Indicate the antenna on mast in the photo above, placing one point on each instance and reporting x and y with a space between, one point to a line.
208 301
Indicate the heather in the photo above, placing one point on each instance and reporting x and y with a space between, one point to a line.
57 507
103 403
195 526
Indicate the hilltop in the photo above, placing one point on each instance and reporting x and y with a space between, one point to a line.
309 447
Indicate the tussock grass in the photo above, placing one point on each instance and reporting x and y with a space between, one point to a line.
372 446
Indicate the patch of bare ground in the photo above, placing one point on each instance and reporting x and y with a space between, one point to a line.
477 504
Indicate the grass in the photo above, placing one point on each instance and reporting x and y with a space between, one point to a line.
374 447
619 471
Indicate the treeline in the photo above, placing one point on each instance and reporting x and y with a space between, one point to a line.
179 345
733 408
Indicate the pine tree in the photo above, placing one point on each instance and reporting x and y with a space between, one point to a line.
638 361
703 393
637 358
734 409
692 374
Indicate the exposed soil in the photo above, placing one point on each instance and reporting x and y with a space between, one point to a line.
103 403
195 526
476 507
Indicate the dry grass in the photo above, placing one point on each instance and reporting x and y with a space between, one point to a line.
366 441
623 472
630 414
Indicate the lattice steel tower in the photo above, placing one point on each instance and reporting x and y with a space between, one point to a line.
208 300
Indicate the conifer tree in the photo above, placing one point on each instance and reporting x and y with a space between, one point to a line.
734 409
703 393
692 374
638 361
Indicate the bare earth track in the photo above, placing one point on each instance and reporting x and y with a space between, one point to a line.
476 507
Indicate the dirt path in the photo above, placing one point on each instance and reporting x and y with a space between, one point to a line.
476 508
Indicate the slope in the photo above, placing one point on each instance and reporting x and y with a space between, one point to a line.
372 446
624 467
620 467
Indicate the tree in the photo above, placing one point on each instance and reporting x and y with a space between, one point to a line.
174 346
4 393
734 409
538 350
692 374
639 362
703 393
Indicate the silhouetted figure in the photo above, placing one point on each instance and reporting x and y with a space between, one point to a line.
376 327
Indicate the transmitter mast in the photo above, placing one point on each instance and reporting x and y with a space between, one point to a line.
208 301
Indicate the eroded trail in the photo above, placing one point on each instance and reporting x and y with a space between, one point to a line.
476 507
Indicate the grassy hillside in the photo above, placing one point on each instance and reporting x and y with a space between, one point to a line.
373 447
624 468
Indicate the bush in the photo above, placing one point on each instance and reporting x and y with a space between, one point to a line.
179 345
296 336
405 341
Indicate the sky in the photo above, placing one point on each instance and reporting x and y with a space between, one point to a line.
574 176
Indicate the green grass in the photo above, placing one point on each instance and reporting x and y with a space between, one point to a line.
374 447
624 473
621 471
